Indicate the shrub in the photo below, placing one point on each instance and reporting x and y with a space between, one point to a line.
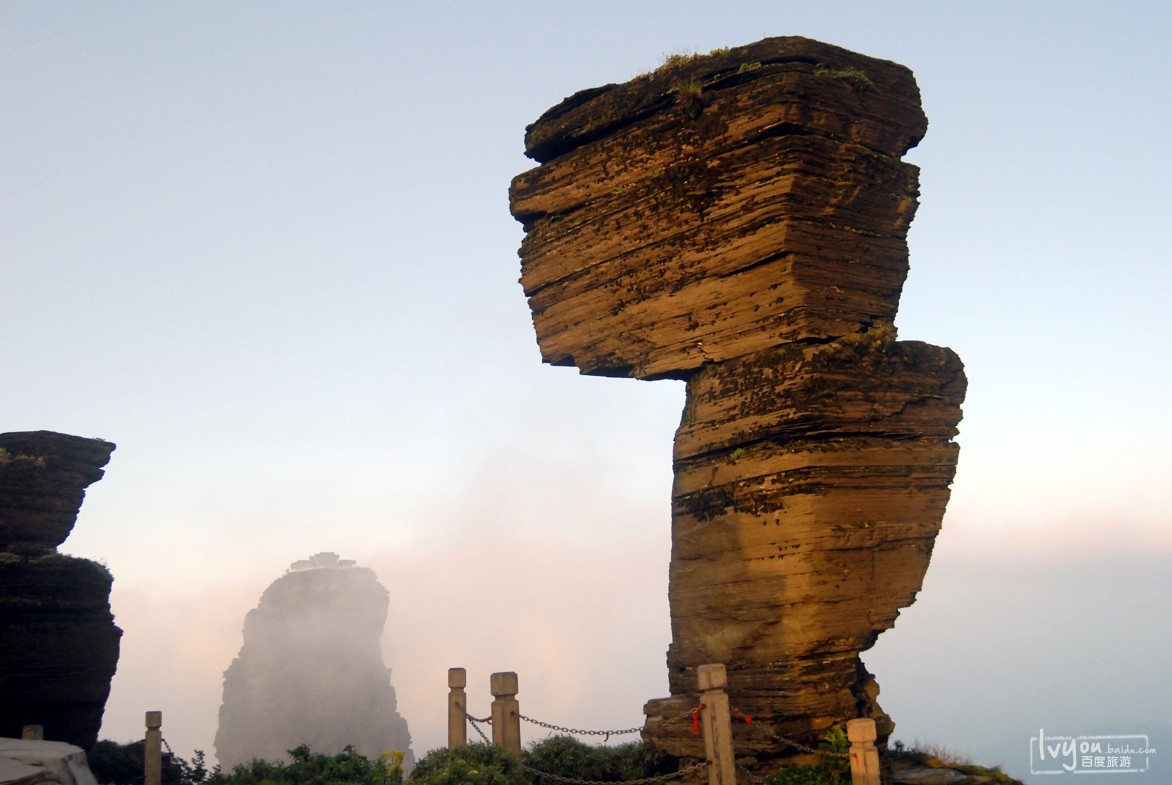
831 769
565 756
116 764
122 764
473 764
308 768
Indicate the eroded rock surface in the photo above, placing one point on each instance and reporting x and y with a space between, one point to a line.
60 643
311 669
739 220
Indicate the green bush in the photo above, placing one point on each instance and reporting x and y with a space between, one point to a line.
565 756
562 756
122 764
831 769
473 764
116 764
308 768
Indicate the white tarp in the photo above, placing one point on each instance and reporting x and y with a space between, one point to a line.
27 762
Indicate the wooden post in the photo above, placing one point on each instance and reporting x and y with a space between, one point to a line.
506 712
457 705
153 756
716 724
864 755
33 732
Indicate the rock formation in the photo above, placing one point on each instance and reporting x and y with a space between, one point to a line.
60 645
739 220
311 669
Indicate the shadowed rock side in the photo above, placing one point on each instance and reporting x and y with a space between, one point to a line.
311 669
60 643
739 220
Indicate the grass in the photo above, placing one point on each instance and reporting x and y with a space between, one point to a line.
937 756
855 76
8 457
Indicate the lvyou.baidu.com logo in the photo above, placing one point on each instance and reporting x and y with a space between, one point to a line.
1089 754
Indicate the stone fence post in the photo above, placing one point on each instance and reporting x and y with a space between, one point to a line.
33 732
457 706
716 724
864 755
153 755
506 712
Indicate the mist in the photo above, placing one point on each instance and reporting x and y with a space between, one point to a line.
310 671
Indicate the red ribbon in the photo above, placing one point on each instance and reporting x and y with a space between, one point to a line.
738 716
696 719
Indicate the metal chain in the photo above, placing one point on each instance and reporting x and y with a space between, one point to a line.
475 721
165 744
476 727
644 781
579 732
750 776
687 715
806 748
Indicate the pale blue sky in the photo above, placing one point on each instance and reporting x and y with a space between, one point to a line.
265 248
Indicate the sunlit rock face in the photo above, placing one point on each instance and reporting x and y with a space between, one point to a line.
739 220
311 669
58 641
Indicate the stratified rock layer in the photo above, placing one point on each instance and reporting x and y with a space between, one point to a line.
60 643
719 207
739 220
311 669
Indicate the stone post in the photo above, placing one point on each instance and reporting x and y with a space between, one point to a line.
153 755
864 755
716 724
457 706
506 712
33 732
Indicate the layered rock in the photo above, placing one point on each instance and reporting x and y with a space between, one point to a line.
311 669
60 642
739 220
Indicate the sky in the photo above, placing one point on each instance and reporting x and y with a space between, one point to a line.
265 248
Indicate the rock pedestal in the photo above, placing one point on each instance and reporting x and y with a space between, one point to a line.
60 644
739 220
311 669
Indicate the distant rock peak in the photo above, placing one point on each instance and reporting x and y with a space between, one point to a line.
311 670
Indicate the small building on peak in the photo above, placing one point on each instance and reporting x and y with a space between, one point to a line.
319 561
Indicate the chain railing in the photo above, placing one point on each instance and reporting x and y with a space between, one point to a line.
712 719
476 722
606 734
786 742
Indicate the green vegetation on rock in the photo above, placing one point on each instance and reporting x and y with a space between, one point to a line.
832 767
